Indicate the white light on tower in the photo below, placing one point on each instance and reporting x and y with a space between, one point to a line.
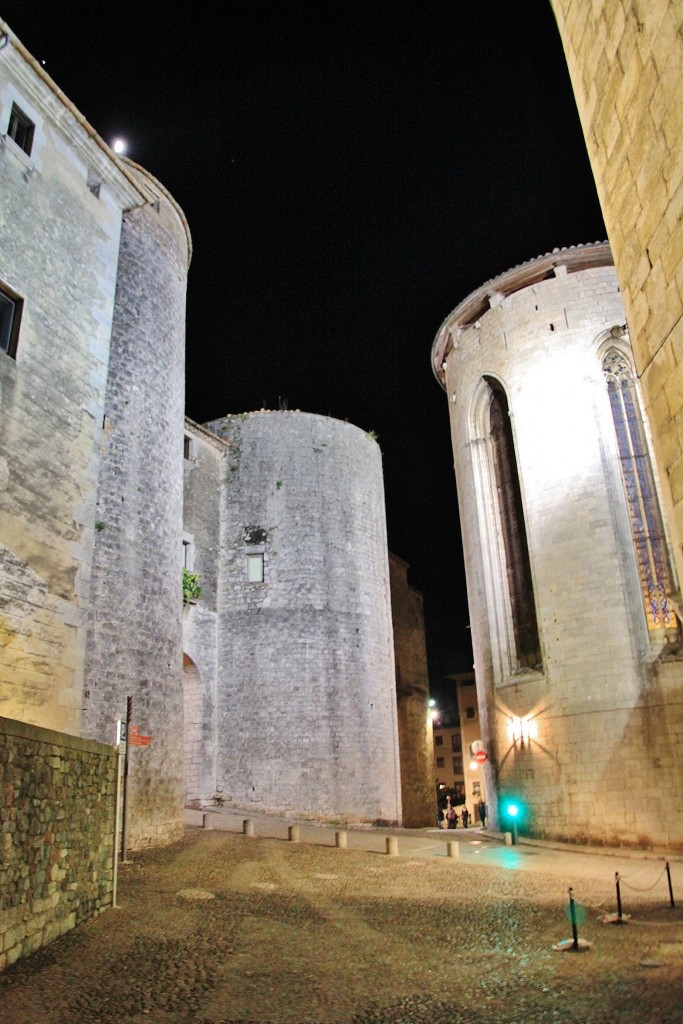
119 146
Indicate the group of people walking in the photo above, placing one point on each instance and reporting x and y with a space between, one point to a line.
449 817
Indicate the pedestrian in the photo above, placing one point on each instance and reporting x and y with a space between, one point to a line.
439 818
481 807
451 817
465 817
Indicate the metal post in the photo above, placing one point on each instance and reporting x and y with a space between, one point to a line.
572 917
671 892
117 825
619 914
124 822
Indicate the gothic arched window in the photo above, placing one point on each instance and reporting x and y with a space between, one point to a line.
641 496
513 529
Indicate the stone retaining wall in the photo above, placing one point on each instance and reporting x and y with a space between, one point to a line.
57 802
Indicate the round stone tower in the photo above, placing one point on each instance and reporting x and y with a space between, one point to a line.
306 686
569 581
135 637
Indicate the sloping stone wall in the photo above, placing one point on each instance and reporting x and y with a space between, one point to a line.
625 58
57 806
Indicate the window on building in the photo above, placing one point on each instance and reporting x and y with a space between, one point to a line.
188 551
471 713
456 742
438 741
10 316
187 447
21 129
513 529
644 511
457 764
255 568
439 762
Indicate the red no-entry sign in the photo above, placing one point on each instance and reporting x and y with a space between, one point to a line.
480 757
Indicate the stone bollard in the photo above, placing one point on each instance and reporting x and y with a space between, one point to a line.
508 838
294 833
206 821
453 849
340 840
248 827
392 846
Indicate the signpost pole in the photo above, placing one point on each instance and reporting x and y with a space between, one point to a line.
129 719
117 820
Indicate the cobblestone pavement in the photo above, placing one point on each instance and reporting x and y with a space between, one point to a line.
224 928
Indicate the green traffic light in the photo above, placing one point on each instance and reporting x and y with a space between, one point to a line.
513 810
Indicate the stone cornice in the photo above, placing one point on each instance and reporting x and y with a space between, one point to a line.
560 261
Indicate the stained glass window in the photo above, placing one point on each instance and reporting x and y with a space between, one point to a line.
641 495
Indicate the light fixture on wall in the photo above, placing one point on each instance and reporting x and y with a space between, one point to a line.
521 730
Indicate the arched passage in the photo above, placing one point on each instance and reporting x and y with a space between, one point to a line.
193 715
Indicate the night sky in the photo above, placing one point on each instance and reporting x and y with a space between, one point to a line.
350 171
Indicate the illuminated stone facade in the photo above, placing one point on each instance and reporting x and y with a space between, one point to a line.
625 58
575 639
294 636
276 692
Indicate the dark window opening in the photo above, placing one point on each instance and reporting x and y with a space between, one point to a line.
10 315
520 587
21 129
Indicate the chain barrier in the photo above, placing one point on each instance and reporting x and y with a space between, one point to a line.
620 917
635 888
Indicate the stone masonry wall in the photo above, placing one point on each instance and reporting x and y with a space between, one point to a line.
57 805
204 470
306 680
135 627
605 762
625 59
412 696
58 253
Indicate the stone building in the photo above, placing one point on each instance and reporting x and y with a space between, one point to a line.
277 689
285 525
92 275
569 579
412 696
470 729
625 59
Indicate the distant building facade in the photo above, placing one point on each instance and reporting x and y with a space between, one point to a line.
449 775
569 575
472 744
